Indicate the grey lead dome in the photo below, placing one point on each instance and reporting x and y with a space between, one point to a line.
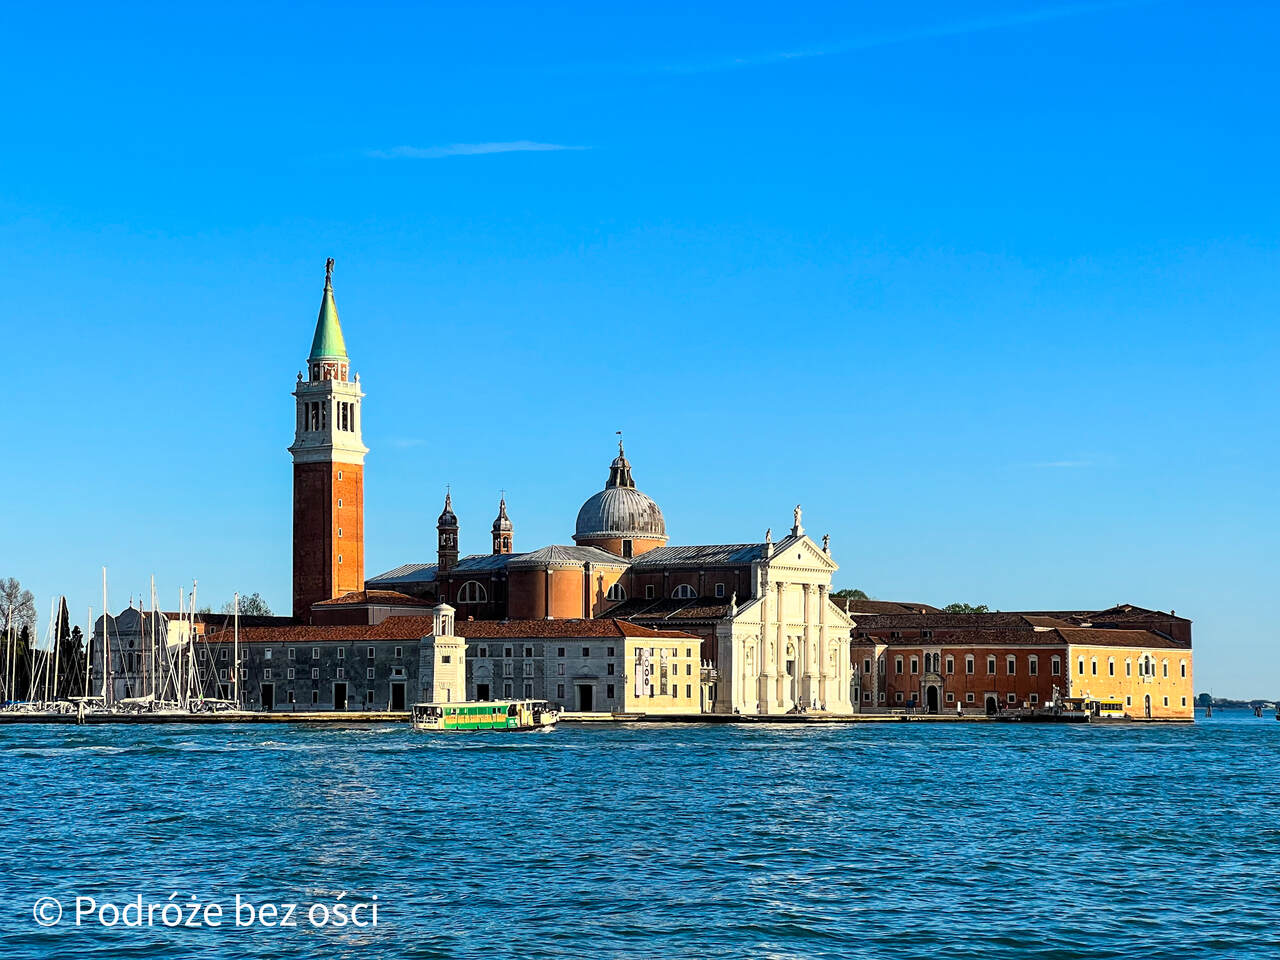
620 510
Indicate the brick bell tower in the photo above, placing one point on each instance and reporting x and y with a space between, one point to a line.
328 469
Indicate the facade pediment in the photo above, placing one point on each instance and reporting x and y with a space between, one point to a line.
801 553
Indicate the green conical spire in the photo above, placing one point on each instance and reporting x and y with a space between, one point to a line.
328 343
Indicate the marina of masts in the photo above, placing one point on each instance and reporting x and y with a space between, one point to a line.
166 674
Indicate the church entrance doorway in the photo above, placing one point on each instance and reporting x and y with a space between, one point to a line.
397 696
339 696
931 699
585 699
482 692
992 705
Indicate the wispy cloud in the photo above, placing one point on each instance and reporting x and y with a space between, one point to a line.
468 150
890 38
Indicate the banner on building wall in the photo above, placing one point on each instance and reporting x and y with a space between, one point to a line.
662 673
644 672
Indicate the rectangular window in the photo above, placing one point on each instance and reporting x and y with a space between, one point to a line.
266 674
991 666
866 666
315 696
586 652
1094 665
506 651
1011 665
968 665
719 589
688 692
222 654
897 664
559 691
611 651
1128 668
400 652
1013 698
559 651
291 674
342 673
1165 671
915 664
315 653
1035 698
1033 666
968 698
1166 701
1183 667
951 665
480 652
1055 667
292 654
648 591
897 697
266 654
609 691
369 654
528 651
368 674
559 669
342 653
315 673
609 669
506 689
1111 668
951 697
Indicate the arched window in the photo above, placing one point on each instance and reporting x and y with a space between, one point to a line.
968 663
1055 666
472 592
684 592
616 592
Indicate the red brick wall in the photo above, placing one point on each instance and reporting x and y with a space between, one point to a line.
317 518
959 683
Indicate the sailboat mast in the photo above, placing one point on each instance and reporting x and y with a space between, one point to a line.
57 649
235 653
191 642
106 645
155 692
88 651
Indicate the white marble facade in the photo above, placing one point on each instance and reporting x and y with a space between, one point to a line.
789 645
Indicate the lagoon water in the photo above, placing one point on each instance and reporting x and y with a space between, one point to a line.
897 840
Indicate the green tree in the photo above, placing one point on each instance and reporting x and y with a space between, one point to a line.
17 606
851 593
966 608
251 605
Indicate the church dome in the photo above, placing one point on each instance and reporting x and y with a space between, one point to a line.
620 510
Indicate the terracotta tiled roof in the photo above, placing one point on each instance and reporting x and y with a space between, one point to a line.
414 628
1098 637
1057 637
876 607
385 597
567 629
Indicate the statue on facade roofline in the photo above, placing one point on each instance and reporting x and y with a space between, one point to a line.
797 515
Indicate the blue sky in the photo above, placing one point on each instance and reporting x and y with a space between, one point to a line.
990 288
